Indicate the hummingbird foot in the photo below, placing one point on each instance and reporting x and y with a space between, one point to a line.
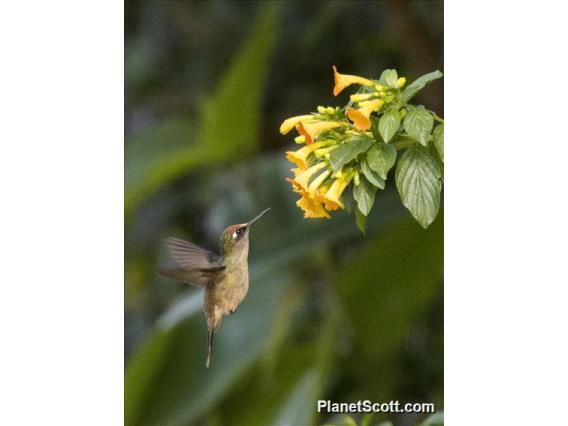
232 311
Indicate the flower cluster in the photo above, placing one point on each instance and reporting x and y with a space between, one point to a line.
319 186
350 150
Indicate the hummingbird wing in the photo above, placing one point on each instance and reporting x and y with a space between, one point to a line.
200 278
196 265
191 257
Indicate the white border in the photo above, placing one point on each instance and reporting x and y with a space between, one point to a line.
505 213
61 303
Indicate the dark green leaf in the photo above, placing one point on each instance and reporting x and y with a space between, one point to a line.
419 84
389 78
375 129
395 276
348 150
360 220
438 135
389 123
418 123
231 122
364 194
371 175
381 157
418 180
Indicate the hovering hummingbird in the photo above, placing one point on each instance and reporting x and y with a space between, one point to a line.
224 277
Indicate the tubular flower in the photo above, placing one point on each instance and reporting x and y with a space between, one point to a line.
345 80
300 157
302 177
292 122
312 130
360 117
316 183
359 97
332 198
312 208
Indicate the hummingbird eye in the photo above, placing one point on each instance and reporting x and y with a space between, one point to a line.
238 233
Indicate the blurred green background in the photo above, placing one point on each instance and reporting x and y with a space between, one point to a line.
330 314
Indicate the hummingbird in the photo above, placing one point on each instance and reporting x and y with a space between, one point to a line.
224 277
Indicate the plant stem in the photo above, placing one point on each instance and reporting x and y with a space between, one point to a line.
438 119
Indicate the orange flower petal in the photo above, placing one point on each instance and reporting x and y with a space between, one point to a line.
345 80
360 121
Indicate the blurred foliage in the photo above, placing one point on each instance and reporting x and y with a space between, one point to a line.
330 314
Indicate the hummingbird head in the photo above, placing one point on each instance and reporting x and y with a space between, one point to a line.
235 237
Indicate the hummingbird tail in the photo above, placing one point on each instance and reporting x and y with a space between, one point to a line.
210 335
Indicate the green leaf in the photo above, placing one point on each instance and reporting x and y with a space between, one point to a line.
375 129
230 128
298 408
364 194
418 180
436 419
389 123
348 150
360 220
371 175
366 420
167 383
395 277
389 78
438 135
381 157
418 123
233 116
419 84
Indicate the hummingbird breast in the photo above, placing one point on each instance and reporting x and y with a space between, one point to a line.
227 294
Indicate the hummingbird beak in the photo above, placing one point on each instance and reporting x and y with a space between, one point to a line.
257 217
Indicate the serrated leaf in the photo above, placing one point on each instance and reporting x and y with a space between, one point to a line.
438 135
371 175
381 157
348 150
364 194
419 84
418 123
418 180
360 220
389 78
389 123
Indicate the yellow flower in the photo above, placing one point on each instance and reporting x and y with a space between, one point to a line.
332 198
300 157
312 208
316 183
360 117
345 80
400 82
312 130
300 139
292 122
302 177
358 97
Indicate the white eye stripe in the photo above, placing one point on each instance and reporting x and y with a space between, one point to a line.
235 235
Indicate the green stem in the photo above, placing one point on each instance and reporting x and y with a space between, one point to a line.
438 119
